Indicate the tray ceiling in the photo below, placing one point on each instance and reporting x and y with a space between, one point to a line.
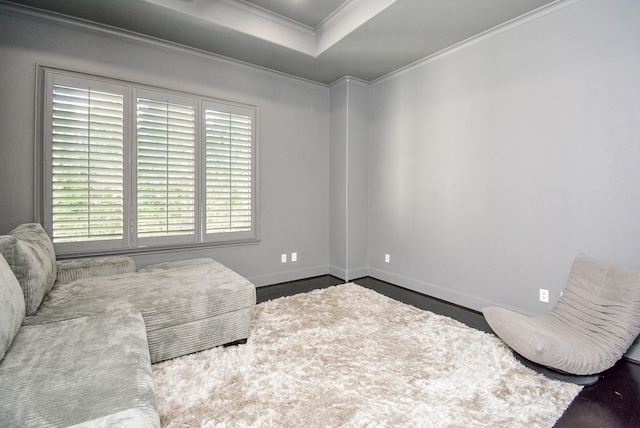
316 40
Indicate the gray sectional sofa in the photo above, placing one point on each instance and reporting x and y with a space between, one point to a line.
77 338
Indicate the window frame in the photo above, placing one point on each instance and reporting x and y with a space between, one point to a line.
176 239
233 109
131 91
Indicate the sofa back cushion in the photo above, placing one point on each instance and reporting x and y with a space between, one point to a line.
29 252
12 309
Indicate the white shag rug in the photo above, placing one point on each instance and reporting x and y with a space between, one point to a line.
346 356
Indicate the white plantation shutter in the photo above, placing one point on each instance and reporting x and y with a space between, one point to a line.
127 166
166 162
87 164
229 169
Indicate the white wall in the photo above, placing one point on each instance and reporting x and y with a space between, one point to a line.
489 167
348 178
357 212
493 165
338 107
293 134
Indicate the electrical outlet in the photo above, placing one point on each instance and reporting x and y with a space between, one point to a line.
294 257
544 295
387 258
284 258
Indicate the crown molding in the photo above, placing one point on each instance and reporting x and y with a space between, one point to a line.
350 79
336 15
267 14
498 29
110 31
247 19
345 20
242 16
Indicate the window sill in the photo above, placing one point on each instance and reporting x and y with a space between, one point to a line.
158 249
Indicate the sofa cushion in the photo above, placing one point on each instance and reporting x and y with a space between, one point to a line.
178 301
89 267
166 294
12 309
92 371
29 251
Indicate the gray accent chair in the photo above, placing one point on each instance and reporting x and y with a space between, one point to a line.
588 330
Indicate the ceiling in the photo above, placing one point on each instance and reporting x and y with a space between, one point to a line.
319 40
307 12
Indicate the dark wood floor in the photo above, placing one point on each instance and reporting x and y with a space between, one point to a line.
612 402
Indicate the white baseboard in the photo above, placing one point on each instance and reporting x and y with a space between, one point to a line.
291 275
351 274
338 272
463 299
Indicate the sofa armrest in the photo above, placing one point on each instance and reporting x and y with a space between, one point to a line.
70 270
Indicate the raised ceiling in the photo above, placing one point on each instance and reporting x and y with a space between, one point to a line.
307 12
319 40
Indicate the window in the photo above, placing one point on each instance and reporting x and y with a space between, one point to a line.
128 166
165 167
228 169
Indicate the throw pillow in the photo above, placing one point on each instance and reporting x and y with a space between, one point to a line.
29 251
12 309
